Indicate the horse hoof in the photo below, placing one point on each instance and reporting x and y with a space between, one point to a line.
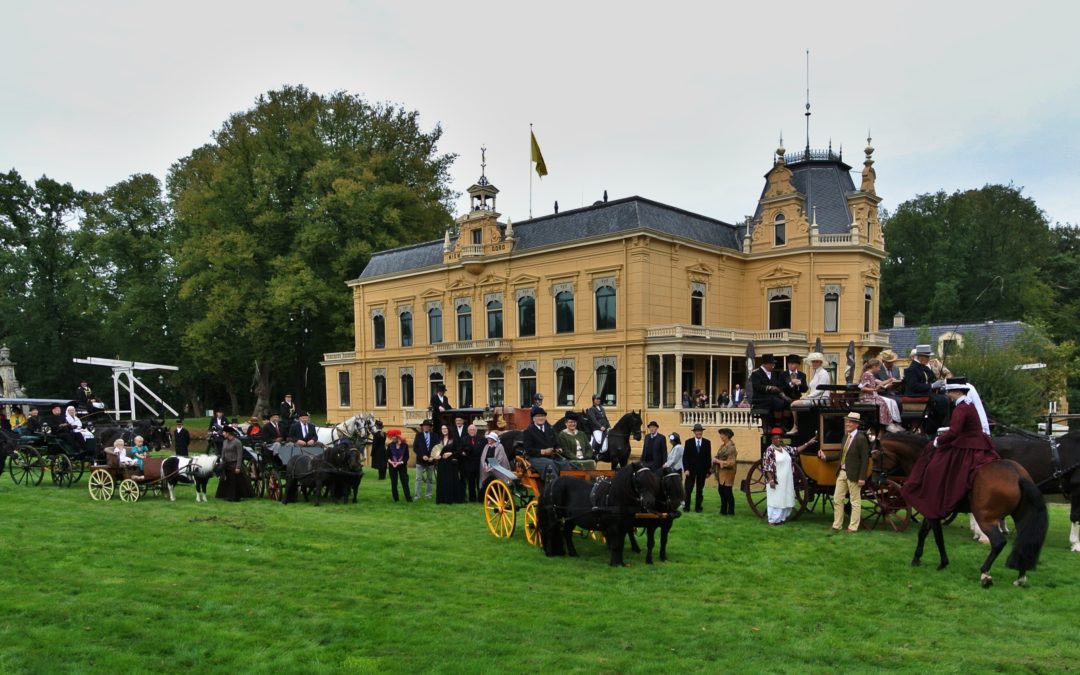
1076 548
915 562
942 565
986 580
1021 582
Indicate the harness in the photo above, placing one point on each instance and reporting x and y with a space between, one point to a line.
1059 473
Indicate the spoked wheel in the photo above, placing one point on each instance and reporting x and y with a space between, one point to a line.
753 486
499 511
273 485
532 524
887 506
129 490
251 470
78 468
60 470
101 485
26 467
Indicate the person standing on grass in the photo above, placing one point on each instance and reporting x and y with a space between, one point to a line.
697 458
448 486
378 449
724 464
778 469
674 458
654 449
181 438
233 485
471 445
425 460
397 458
493 454
854 459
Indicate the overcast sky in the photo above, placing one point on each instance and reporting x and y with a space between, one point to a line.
666 100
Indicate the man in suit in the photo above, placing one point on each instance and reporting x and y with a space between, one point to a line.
850 475
919 380
598 419
218 420
697 460
541 446
768 390
425 463
538 403
287 409
793 380
272 431
439 402
471 446
34 421
181 438
654 452
738 395
459 430
84 395
302 431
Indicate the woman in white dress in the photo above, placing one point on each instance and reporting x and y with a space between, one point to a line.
814 395
777 466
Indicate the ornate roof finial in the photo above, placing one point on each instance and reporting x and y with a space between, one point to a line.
446 240
483 167
807 104
869 148
509 234
780 149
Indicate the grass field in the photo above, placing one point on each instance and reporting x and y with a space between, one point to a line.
384 587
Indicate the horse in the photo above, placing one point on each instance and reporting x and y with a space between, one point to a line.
348 478
312 471
1002 487
606 505
1054 469
153 432
357 429
618 439
669 500
195 470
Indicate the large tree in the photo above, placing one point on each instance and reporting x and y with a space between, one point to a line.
286 204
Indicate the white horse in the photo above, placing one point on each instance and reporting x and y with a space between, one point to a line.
357 429
196 470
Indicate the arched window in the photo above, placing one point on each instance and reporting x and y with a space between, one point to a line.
464 321
406 329
496 390
464 388
378 329
494 319
564 312
380 391
779 230
605 384
434 380
605 308
832 309
780 308
868 308
564 386
406 390
526 316
697 307
526 386
434 325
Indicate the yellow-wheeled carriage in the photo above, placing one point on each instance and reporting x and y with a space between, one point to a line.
127 481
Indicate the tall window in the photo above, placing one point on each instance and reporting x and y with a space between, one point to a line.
526 386
434 380
697 307
494 319
832 308
464 388
496 390
378 329
868 308
477 236
464 322
605 308
406 329
526 316
434 325
653 398
380 391
779 230
605 384
564 386
564 312
779 308
344 395
406 390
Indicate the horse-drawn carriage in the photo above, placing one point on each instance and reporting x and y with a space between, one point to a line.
815 478
126 480
31 455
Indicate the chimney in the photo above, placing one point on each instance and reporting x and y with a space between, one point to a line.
898 320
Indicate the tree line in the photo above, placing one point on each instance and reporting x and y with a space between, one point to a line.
235 269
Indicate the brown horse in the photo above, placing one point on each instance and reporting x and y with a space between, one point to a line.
998 489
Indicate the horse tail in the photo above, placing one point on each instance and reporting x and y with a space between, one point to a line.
1032 522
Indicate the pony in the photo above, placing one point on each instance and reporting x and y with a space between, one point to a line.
669 500
1054 469
195 470
1000 488
348 478
312 471
606 505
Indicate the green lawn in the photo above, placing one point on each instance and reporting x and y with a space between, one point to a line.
385 587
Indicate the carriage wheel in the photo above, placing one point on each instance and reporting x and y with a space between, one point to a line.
499 511
753 486
532 524
60 471
129 490
101 485
251 470
27 466
78 468
273 485
804 493
888 506
17 464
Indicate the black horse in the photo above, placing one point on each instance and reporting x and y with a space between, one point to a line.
671 498
607 506
618 439
347 479
1060 476
313 471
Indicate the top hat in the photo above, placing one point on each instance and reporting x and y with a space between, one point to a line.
956 384
766 359
652 423
425 423
794 358
923 350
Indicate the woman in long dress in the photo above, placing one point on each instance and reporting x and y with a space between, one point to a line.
778 468
448 486
233 485
814 394
869 388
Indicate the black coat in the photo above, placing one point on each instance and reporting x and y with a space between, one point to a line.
536 439
761 383
598 417
269 434
917 379
422 449
378 450
181 441
472 446
654 452
296 432
793 392
697 462
439 405
287 411
218 423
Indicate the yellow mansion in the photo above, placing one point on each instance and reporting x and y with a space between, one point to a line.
632 299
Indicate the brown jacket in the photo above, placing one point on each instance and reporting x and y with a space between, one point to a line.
725 462
858 457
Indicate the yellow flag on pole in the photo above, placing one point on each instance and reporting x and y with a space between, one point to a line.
541 167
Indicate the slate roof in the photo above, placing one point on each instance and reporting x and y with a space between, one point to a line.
828 182
999 333
620 215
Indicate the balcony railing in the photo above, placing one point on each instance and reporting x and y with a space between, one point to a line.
826 239
680 331
472 250
718 417
338 357
875 338
490 346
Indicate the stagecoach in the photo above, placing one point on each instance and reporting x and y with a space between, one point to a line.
815 479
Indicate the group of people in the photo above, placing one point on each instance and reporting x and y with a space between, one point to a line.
700 399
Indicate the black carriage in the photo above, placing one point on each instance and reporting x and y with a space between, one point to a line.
30 455
815 478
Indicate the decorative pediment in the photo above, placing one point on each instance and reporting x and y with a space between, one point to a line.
699 272
491 280
871 275
779 276
458 285
833 281
525 279
779 181
432 293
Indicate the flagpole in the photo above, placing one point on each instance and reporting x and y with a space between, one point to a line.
530 170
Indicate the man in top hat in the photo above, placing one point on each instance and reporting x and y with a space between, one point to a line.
697 460
599 421
850 474
793 380
303 432
542 447
538 403
919 380
439 402
287 409
768 389
424 441
34 422
181 438
940 478
273 432
654 452
84 395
